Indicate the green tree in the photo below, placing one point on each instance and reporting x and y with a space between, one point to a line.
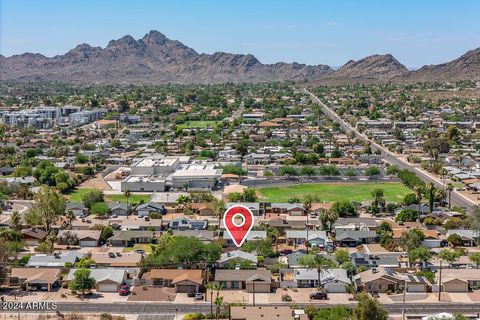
342 256
455 240
368 308
372 171
49 204
411 239
99 208
420 254
91 197
475 258
82 281
107 232
344 208
318 262
449 255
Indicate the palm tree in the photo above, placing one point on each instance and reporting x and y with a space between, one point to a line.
127 194
327 216
449 189
430 191
218 300
219 209
274 234
418 189
307 206
378 199
319 262
16 221
70 216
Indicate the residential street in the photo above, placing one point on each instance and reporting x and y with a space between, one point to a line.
457 198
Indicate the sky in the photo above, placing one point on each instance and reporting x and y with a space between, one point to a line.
416 32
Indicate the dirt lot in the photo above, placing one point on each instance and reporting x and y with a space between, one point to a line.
96 182
152 294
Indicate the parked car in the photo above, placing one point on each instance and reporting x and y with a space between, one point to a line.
141 251
124 290
191 294
319 296
198 296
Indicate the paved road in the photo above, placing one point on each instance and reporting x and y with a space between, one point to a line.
457 198
170 308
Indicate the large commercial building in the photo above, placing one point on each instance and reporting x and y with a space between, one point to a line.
160 173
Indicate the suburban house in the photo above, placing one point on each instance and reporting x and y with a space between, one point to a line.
128 238
236 256
144 210
117 208
182 280
253 235
202 235
298 237
253 206
259 281
33 236
106 280
292 209
186 224
265 313
383 280
34 278
353 238
332 280
78 209
86 238
460 280
363 224
469 237
117 260
55 260
369 260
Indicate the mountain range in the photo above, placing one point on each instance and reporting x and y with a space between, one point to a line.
157 59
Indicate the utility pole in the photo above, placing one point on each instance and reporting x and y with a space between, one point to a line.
211 302
306 240
440 282
404 293
253 282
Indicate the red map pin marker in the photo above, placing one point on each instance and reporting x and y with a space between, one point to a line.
238 220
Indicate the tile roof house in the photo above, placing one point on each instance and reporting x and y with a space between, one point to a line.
118 259
33 236
384 280
182 280
259 281
34 278
107 280
460 280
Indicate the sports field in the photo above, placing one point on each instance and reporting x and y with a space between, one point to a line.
334 191
76 196
196 124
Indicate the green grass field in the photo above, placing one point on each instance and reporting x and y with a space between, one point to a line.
334 192
76 196
196 124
